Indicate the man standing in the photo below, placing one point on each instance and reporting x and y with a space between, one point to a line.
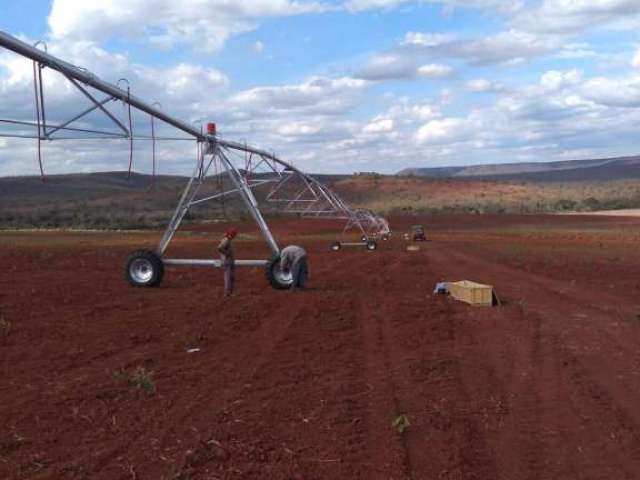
228 260
294 259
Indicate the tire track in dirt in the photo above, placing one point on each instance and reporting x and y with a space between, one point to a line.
526 391
255 347
313 388
193 413
405 358
586 321
309 387
386 446
555 368
610 303
423 345
255 355
488 369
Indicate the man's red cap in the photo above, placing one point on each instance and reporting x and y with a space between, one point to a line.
231 232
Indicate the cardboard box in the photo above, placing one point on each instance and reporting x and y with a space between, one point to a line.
472 293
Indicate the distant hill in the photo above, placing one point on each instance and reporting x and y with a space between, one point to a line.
605 169
81 186
111 200
92 200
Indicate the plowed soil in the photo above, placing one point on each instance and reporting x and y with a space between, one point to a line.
306 385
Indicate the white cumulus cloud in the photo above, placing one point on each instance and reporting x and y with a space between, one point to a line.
427 39
635 61
313 96
434 70
480 85
379 125
555 79
506 6
570 16
257 46
205 24
439 131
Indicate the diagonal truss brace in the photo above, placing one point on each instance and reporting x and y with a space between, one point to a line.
310 199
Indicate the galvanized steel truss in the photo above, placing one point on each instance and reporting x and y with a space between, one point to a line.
289 189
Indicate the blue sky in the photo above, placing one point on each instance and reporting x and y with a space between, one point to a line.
341 86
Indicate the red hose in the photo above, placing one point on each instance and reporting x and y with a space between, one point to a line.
153 153
130 133
35 88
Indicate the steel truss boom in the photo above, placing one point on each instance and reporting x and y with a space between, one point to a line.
291 190
71 71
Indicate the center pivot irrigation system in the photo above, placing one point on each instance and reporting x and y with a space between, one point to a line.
284 187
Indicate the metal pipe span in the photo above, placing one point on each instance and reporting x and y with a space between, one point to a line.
67 69
196 262
18 46
88 78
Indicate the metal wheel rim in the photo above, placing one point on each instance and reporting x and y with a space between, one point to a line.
141 270
282 277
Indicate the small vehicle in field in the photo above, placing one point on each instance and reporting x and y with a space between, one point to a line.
417 233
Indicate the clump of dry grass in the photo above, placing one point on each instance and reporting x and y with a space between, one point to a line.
139 378
400 423
5 327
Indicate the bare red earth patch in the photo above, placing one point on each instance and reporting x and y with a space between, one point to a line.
306 385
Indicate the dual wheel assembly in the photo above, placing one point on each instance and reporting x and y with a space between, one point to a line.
144 268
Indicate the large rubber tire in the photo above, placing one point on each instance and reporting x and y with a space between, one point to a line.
143 268
372 245
276 277
335 246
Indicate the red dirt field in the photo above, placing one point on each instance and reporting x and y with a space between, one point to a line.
306 385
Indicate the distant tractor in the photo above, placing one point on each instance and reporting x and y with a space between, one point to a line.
417 233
